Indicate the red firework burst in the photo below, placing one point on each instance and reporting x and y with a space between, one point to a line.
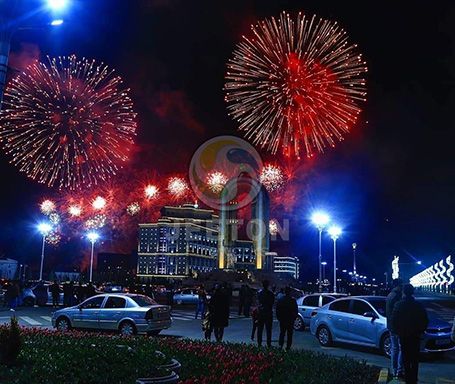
295 84
68 122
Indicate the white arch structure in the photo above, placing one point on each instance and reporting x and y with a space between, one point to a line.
439 277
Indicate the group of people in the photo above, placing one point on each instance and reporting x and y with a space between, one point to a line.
12 295
407 320
215 312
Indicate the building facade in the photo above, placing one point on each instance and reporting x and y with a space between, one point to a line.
8 268
286 265
183 241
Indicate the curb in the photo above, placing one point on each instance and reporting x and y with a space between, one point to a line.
383 376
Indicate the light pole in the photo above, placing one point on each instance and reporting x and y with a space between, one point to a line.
44 229
92 236
354 247
320 220
324 263
9 16
334 233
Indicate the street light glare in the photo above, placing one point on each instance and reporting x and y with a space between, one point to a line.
419 262
56 22
320 219
93 236
57 5
44 228
334 232
324 263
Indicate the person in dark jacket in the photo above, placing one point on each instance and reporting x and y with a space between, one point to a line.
266 298
409 320
396 360
286 312
220 312
207 321
55 291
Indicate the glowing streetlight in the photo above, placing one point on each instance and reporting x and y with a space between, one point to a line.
324 263
44 229
334 233
92 236
320 220
56 22
57 5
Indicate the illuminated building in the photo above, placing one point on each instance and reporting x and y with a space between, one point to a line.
288 265
183 241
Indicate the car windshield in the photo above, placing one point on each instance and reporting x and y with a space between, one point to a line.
143 301
379 305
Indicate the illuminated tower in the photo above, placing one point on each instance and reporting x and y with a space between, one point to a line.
260 219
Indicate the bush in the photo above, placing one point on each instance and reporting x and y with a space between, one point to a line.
51 357
10 342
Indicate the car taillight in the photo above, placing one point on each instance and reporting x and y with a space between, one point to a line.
314 313
149 315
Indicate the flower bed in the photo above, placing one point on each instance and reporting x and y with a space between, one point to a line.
78 357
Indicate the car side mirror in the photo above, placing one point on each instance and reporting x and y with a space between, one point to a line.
371 314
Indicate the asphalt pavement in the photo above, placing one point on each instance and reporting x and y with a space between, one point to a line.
435 369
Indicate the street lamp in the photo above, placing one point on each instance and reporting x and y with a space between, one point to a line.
44 229
334 233
324 263
92 236
320 220
57 5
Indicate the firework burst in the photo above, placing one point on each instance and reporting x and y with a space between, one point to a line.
273 227
216 181
177 187
133 208
75 210
99 203
296 84
68 122
47 207
151 191
272 177
96 222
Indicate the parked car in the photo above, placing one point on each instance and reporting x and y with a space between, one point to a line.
187 296
308 303
126 313
38 294
361 320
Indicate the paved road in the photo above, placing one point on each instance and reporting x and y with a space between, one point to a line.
435 369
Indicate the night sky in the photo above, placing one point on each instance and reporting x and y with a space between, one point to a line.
390 184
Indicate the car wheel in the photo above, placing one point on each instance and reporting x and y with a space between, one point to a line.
29 302
62 324
324 336
386 345
154 333
299 325
127 328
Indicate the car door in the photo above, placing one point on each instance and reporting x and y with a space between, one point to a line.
308 304
362 329
112 312
86 315
337 319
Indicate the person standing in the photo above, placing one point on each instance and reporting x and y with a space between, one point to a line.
207 321
55 291
286 312
220 312
71 293
248 300
266 298
409 321
201 302
396 360
242 298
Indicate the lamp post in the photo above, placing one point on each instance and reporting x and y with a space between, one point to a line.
44 229
9 16
354 264
334 233
320 220
92 236
324 263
